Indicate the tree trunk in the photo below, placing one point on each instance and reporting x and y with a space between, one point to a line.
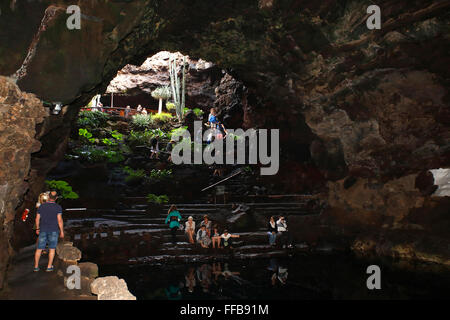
160 106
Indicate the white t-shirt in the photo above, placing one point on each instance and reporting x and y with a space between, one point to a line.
226 237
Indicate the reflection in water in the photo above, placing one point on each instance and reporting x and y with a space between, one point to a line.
280 273
207 278
303 277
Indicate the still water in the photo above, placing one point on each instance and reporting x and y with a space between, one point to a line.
319 276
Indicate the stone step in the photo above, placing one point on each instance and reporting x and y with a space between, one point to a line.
206 257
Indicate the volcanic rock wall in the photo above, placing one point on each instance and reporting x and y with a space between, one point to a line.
19 114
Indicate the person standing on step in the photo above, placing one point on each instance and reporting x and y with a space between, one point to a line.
173 218
272 231
49 224
212 123
43 197
154 149
139 109
285 236
190 229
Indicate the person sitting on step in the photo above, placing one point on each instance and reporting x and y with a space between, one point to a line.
207 223
227 239
202 237
272 231
174 217
190 229
216 238
284 235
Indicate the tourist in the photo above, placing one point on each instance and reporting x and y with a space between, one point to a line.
207 223
144 111
284 235
190 229
221 132
43 197
49 223
139 109
272 231
174 217
216 238
169 149
127 112
203 238
212 123
212 118
154 148
227 239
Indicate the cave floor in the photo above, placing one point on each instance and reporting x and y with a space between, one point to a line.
25 284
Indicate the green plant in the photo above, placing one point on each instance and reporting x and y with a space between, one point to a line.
178 97
116 135
152 198
134 175
156 174
62 187
86 135
141 121
92 119
177 132
170 106
94 154
139 138
198 112
161 93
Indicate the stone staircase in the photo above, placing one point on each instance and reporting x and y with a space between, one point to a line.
138 234
135 232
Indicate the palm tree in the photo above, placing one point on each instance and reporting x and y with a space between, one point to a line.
161 93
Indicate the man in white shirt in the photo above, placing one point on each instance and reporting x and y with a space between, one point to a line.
285 236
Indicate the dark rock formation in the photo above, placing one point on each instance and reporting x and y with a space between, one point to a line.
19 114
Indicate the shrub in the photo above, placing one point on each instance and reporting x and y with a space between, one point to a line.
94 155
139 138
170 106
134 175
63 188
156 174
177 132
86 135
198 112
92 119
141 121
152 198
162 117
